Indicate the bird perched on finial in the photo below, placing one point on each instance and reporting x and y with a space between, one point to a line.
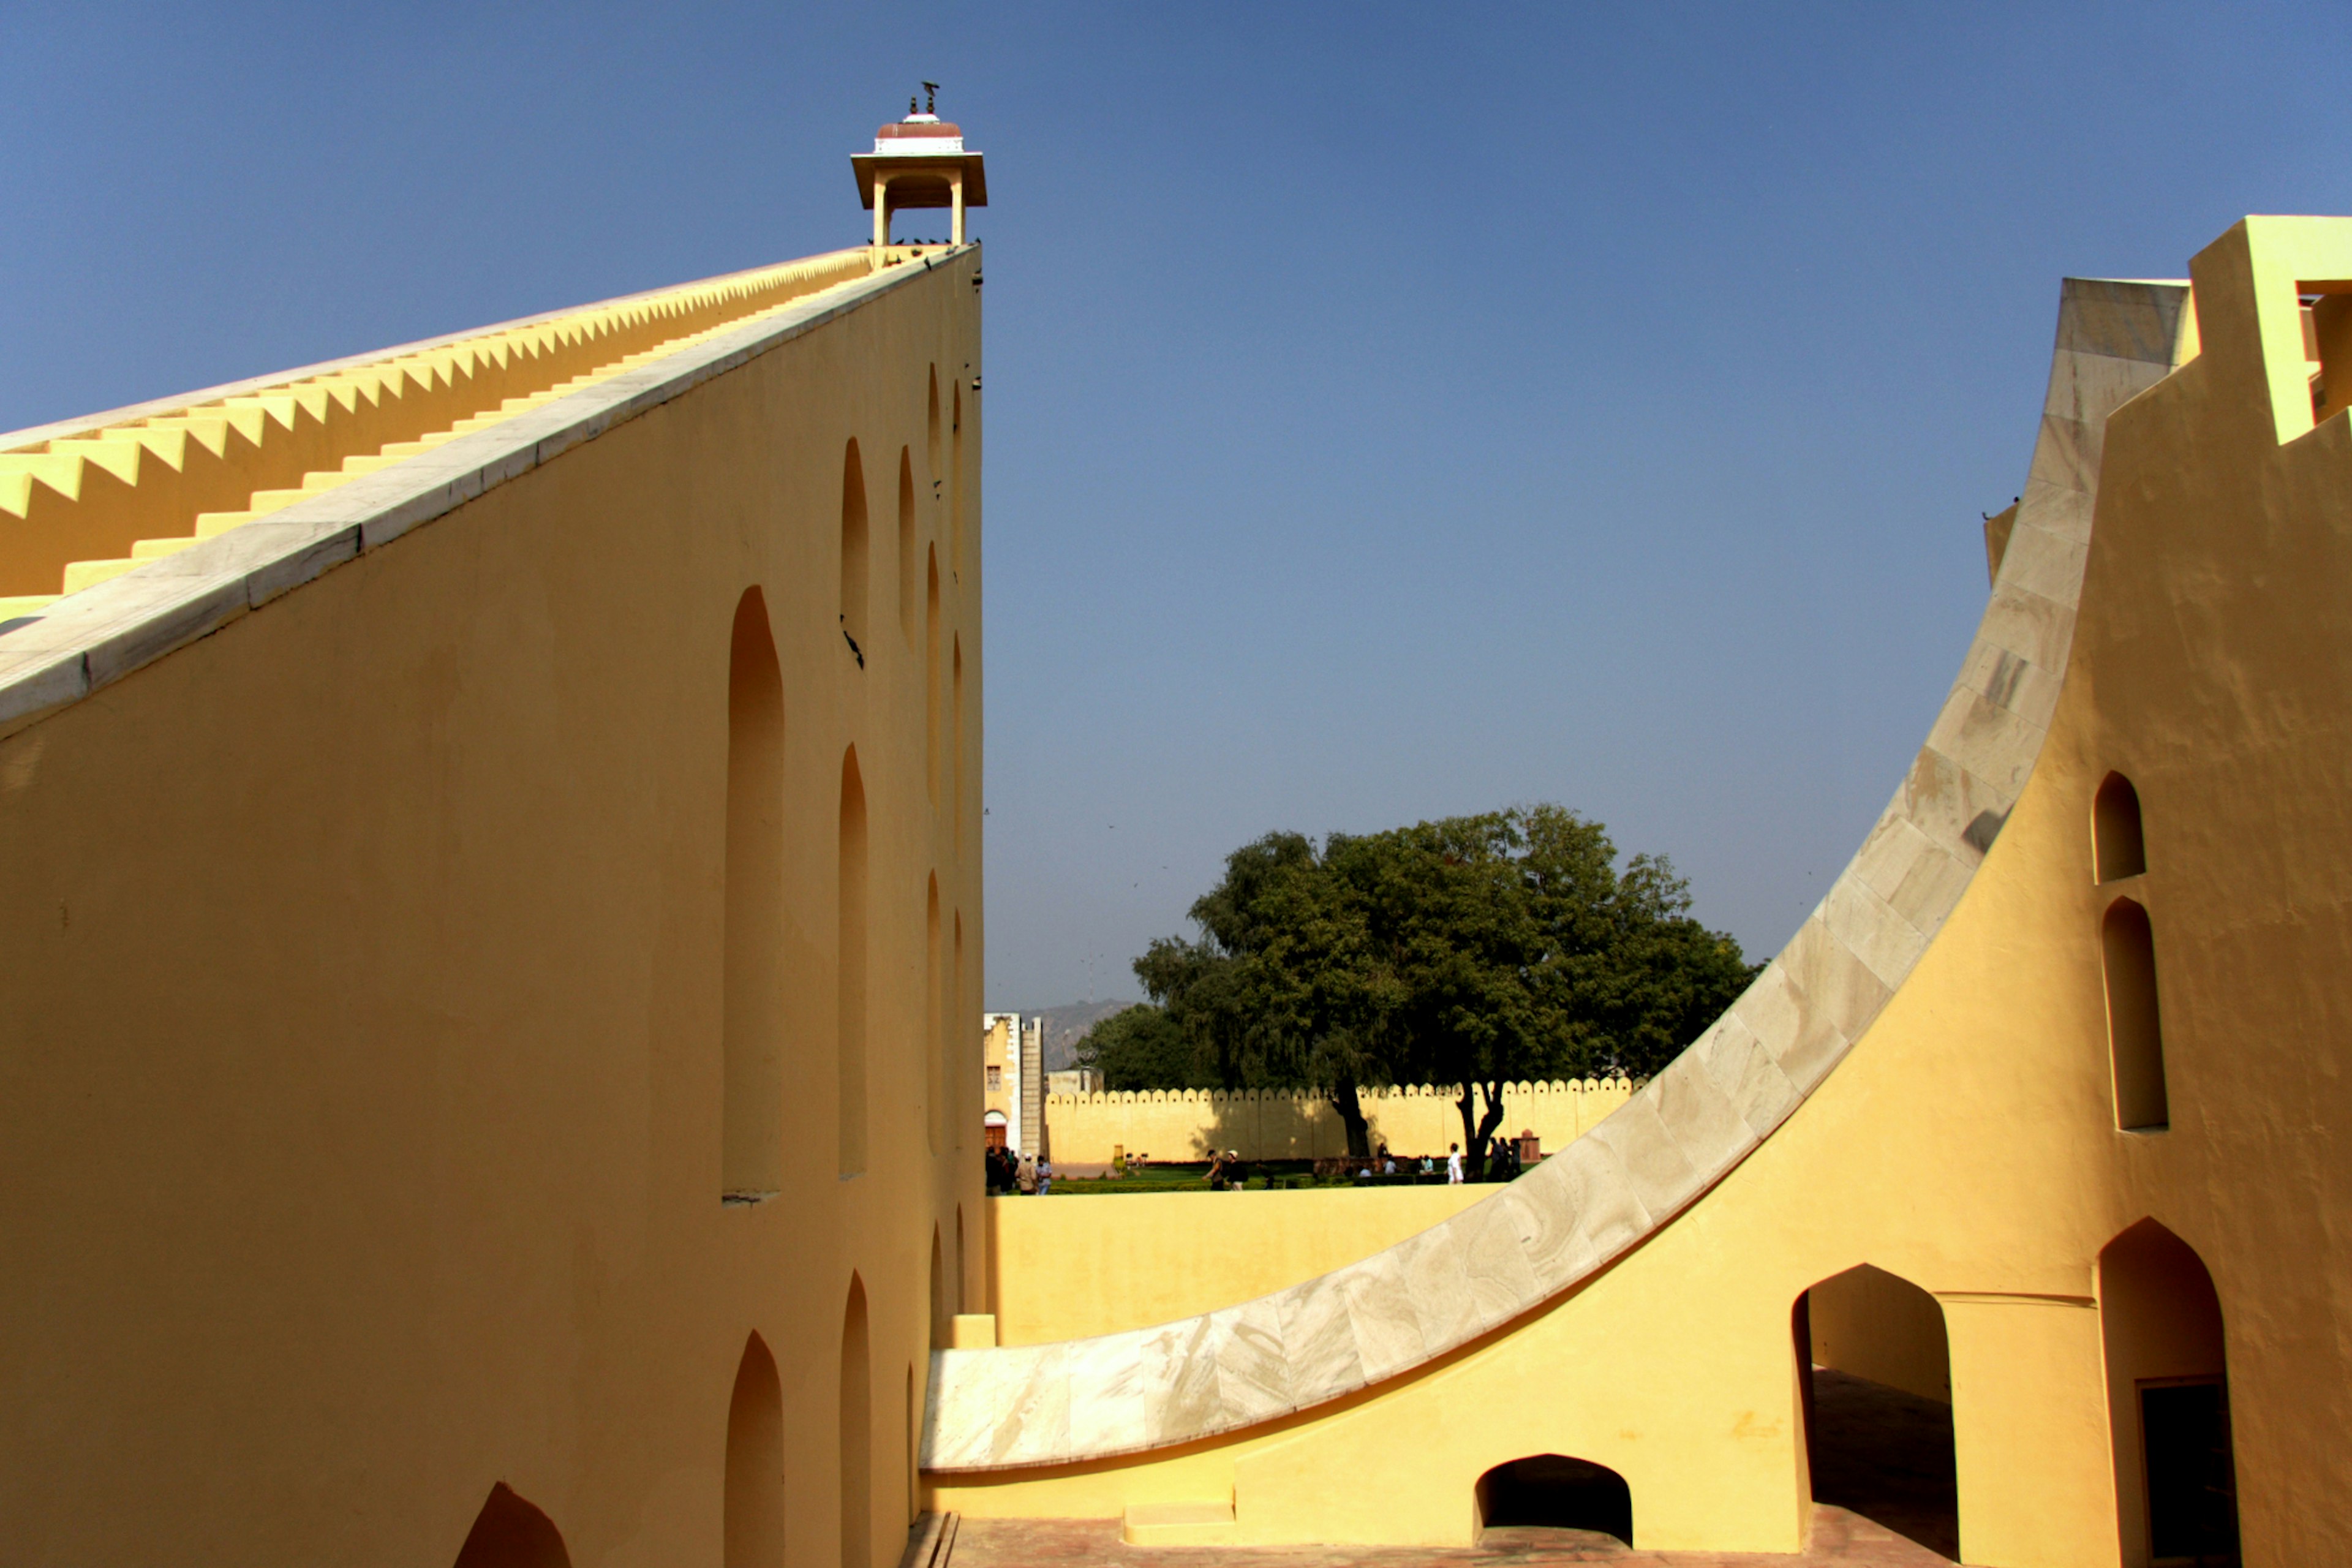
931 98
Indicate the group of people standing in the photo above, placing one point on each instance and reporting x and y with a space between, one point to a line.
1502 1164
1024 1173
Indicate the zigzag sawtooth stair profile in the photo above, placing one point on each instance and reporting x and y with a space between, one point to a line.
1507 1256
86 502
57 649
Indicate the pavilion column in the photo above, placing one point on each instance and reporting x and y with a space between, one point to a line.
955 200
881 211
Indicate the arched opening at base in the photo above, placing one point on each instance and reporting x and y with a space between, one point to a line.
510 1534
1554 1491
752 1500
1875 1395
2176 1476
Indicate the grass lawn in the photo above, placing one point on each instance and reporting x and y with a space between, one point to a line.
1193 1177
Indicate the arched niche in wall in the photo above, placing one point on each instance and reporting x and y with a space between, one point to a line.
751 1023
1874 1400
856 1433
932 677
961 1293
906 561
2118 844
850 966
1555 1490
910 1449
510 1534
955 484
753 1502
855 552
934 1053
2167 1401
2135 1022
960 1063
940 1309
955 740
931 434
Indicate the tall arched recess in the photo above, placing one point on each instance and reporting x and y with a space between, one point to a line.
855 552
850 959
934 1076
2167 1401
510 1534
856 1433
2135 1023
906 558
754 1499
752 1023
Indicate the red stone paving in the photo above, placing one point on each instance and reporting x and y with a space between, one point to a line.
1839 1540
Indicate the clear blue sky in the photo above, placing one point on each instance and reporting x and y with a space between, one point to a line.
1392 411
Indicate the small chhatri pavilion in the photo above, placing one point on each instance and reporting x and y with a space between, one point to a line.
920 162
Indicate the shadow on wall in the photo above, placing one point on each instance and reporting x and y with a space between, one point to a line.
1554 1490
510 1534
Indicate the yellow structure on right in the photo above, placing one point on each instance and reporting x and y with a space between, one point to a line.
2062 1050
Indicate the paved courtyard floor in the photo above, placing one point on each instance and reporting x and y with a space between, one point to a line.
1839 1540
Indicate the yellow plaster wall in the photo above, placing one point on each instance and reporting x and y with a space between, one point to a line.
360 1089
1071 1267
1867 1323
1968 1143
1412 1119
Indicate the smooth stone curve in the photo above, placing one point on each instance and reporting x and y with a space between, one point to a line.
1686 1129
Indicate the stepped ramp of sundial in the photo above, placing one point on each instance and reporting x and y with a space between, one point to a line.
127 535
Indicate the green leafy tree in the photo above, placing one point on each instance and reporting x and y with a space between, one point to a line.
1269 992
1141 1047
1475 950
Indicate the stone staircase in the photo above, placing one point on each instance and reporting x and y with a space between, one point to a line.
81 507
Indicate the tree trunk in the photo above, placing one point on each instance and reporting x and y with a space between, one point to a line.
1493 1118
1473 1165
1351 1116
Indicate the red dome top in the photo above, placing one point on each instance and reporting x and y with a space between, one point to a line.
926 127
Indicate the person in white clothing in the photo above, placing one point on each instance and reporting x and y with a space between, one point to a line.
1453 1165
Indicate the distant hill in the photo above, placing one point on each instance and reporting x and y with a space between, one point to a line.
1067 1025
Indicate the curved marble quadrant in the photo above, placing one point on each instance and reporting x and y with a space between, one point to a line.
1331 1336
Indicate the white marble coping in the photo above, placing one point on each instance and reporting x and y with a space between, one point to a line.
87 639
1507 1255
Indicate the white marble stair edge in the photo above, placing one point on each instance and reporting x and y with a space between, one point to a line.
87 639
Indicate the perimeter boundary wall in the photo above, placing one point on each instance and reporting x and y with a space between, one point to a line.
1279 1124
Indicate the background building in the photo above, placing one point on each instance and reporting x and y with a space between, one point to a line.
1013 1064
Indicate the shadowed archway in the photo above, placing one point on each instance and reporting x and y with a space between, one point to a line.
1555 1491
2169 1402
510 1534
1875 1387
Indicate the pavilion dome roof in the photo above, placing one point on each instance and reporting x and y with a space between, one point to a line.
922 126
